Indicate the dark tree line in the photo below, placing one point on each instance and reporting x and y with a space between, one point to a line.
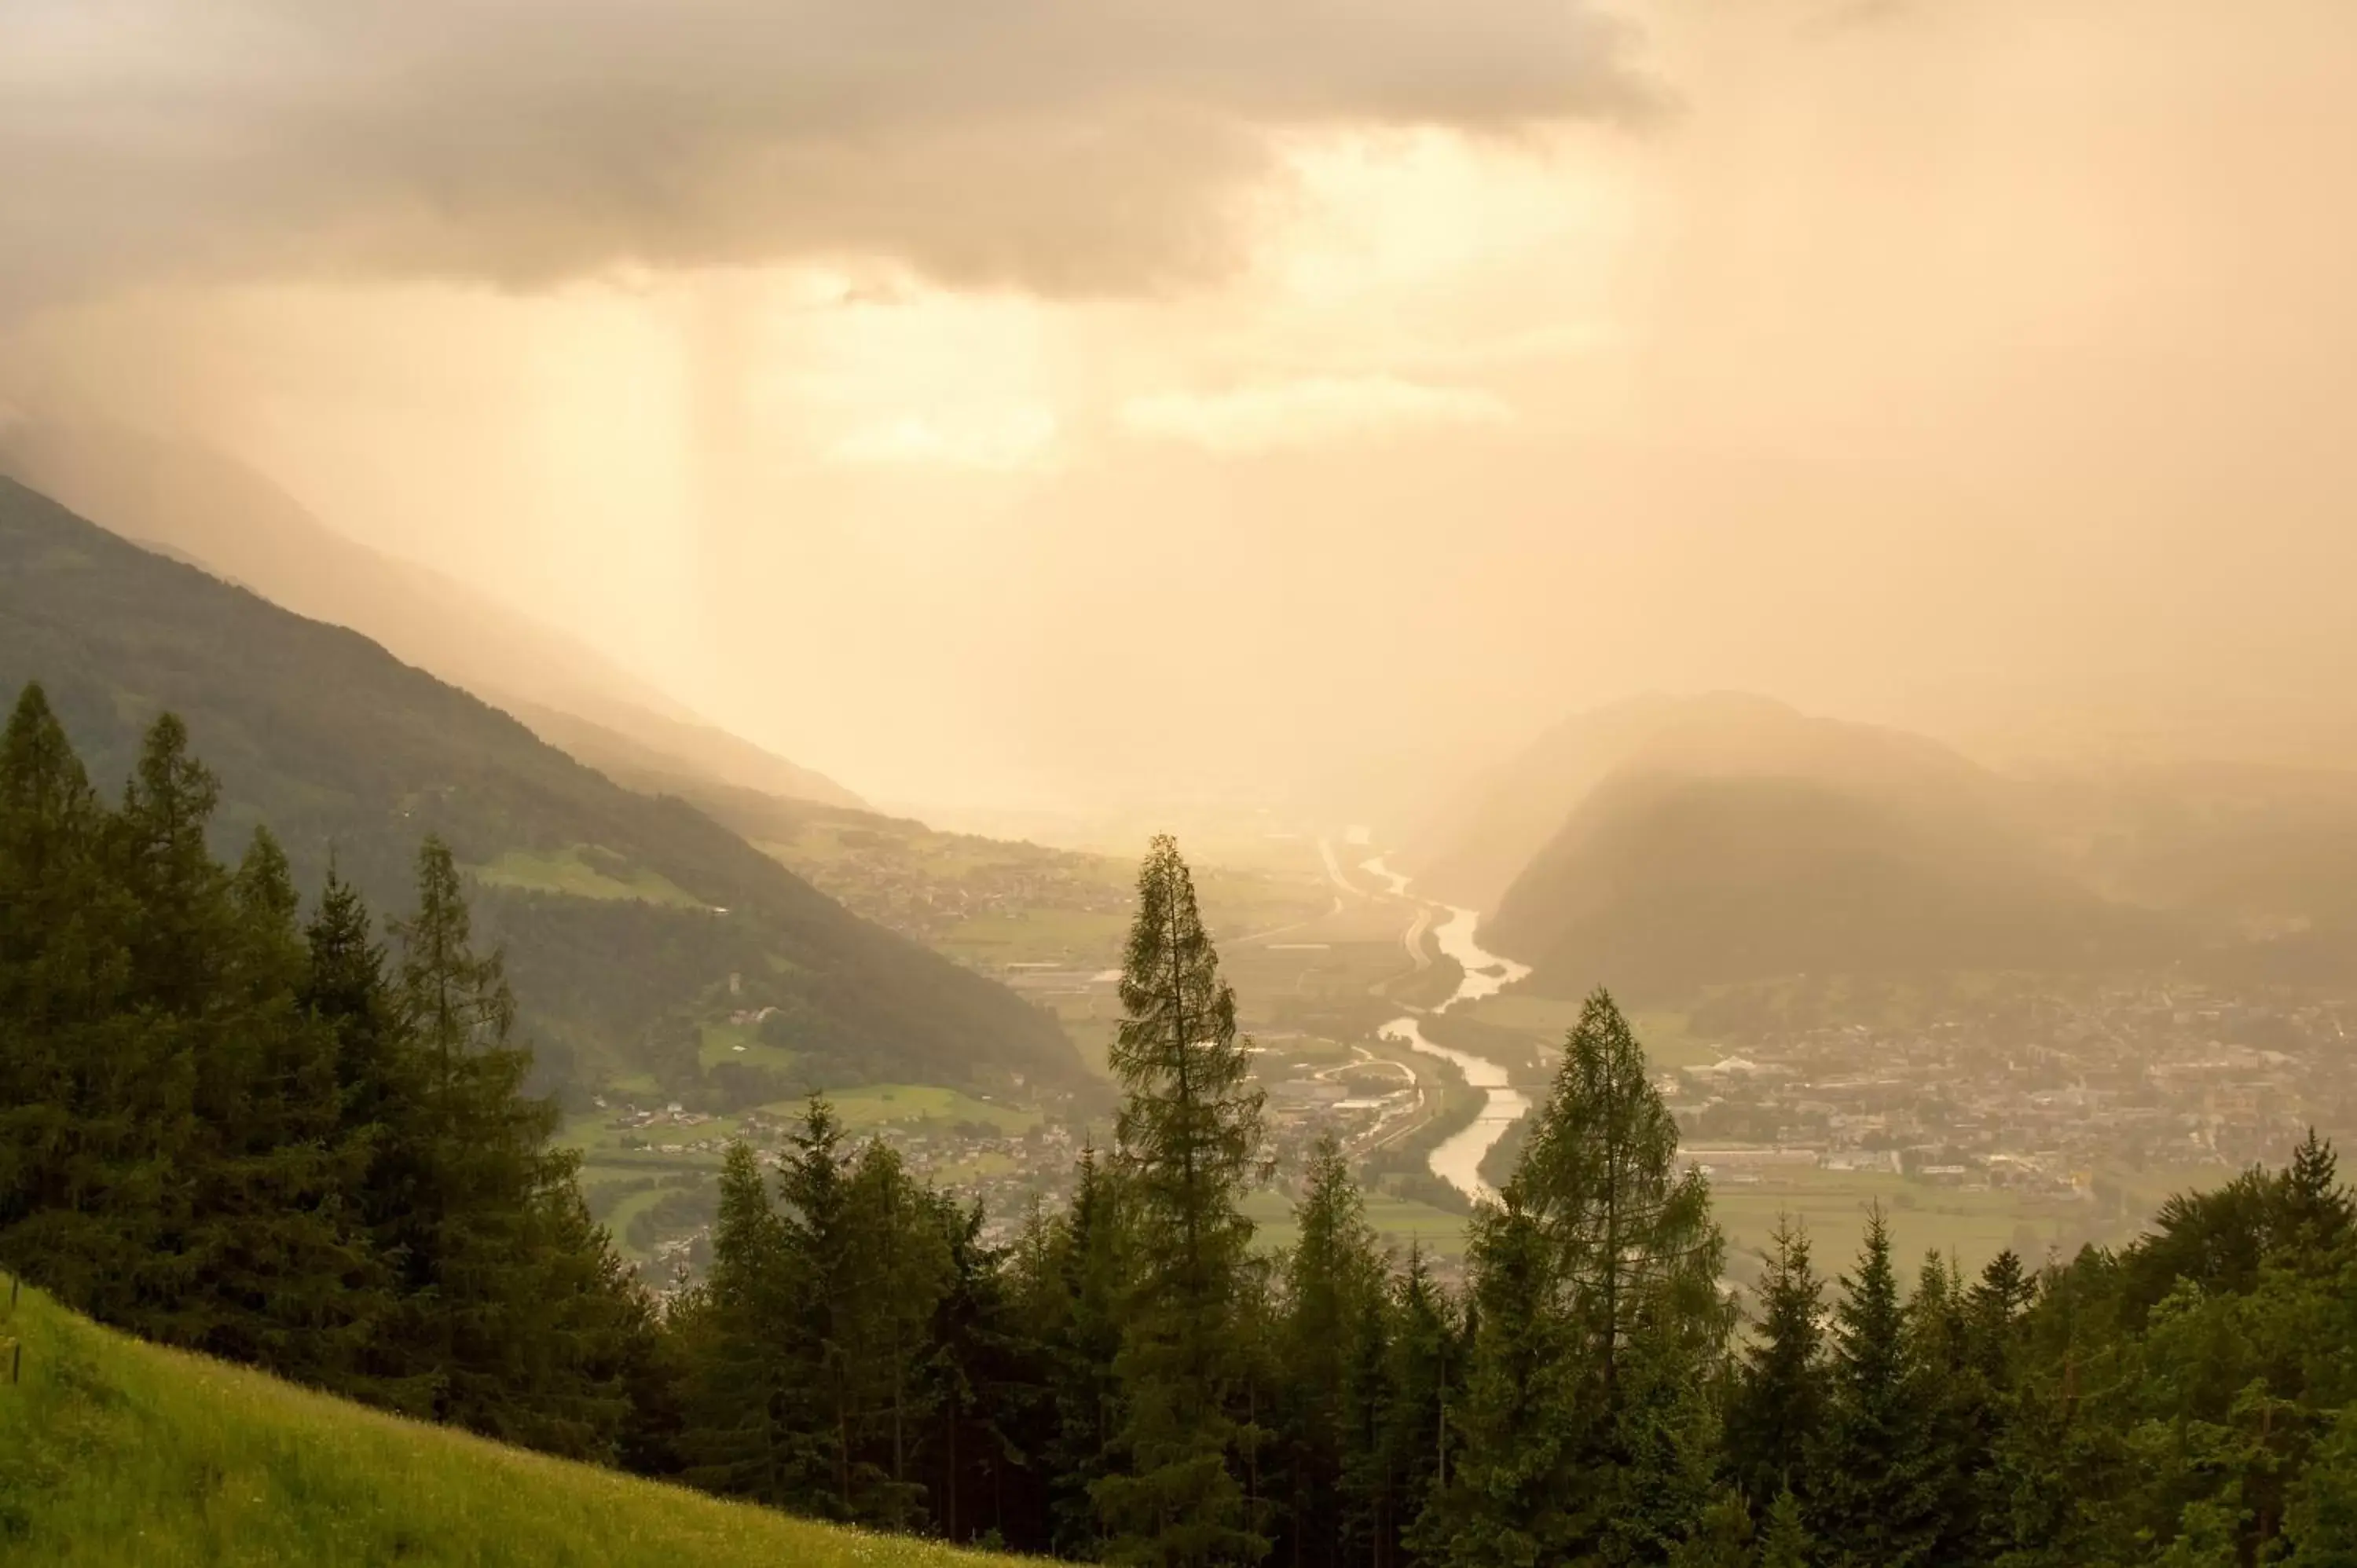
228 1125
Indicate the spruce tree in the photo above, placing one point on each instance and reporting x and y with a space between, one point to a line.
1372 1497
2318 1214
1722 1537
1784 1540
1332 1275
896 1270
1873 1506
1189 1134
1777 1406
1515 1488
345 986
381 1087
86 1099
1423 1371
1093 1284
986 1379
279 1268
518 1310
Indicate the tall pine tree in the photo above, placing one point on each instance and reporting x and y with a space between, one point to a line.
1189 1134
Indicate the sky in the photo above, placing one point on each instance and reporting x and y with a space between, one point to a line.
1051 401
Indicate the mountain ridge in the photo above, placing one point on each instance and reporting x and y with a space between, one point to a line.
348 754
208 510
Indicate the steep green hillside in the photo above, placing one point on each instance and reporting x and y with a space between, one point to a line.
1662 884
114 1451
621 914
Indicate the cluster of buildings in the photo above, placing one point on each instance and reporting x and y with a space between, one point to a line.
890 882
662 1132
2029 1091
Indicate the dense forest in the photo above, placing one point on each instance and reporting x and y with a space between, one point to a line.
231 1124
347 753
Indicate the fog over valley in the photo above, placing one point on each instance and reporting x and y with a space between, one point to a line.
1402 785
1651 351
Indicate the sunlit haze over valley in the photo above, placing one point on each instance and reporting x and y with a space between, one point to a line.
1419 784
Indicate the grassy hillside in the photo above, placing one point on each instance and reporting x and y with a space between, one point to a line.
114 1452
621 914
205 508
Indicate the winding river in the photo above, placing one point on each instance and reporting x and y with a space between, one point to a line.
1457 1161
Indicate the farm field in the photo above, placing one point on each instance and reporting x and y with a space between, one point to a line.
582 871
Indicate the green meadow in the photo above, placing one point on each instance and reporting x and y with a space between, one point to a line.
115 1454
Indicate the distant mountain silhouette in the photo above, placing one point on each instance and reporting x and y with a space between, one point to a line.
207 509
1665 844
1662 883
1487 834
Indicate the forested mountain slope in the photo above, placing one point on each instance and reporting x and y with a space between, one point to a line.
212 511
622 914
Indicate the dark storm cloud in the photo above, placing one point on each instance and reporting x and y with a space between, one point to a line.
1065 146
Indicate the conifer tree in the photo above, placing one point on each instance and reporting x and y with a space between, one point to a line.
1588 1423
381 1087
1332 1275
1778 1403
744 1410
84 1096
1093 1285
280 1270
1513 1488
517 1308
814 1187
1600 1176
2317 1213
181 892
1189 1134
1423 1372
1992 1314
1872 1504
1784 1540
985 1380
1373 1498
896 1271
345 986
1722 1537
1954 1410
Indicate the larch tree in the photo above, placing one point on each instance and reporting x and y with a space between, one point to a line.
1188 1137
1607 1264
